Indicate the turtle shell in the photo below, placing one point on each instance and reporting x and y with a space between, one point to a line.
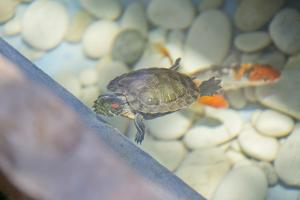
155 91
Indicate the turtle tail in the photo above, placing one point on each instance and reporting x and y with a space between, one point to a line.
210 87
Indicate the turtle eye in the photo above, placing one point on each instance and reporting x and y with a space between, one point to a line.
115 105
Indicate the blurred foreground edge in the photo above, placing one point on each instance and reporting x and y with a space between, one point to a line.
53 148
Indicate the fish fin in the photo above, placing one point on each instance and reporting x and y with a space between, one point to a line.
241 70
164 51
216 101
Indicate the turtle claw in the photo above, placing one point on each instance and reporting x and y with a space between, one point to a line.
139 137
140 126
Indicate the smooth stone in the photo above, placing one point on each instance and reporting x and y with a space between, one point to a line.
201 136
253 14
274 58
108 70
205 136
251 42
237 158
286 38
258 146
176 37
70 82
208 41
169 153
235 146
269 171
232 59
135 18
79 22
152 58
245 182
204 169
7 9
107 9
158 35
171 14
52 19
287 163
274 124
119 123
169 127
89 94
128 46
249 93
230 118
210 4
236 98
98 38
281 95
89 76
254 116
12 27
30 53
293 62
250 57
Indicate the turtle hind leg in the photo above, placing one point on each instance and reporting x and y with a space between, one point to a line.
140 127
210 87
176 65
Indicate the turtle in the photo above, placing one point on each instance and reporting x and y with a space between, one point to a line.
150 93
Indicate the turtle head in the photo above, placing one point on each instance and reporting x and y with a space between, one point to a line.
109 104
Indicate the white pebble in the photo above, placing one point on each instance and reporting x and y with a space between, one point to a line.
246 20
135 18
12 27
230 118
274 124
120 123
249 93
51 18
251 42
286 41
287 163
237 158
282 96
89 76
128 46
7 9
235 145
169 127
258 146
204 169
169 153
269 171
245 182
70 82
201 136
210 4
236 98
109 70
107 9
171 14
30 53
98 38
208 41
89 94
78 25
293 62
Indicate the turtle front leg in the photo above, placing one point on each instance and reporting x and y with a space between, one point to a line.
140 126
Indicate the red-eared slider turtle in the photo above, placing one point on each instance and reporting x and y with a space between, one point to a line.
150 93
